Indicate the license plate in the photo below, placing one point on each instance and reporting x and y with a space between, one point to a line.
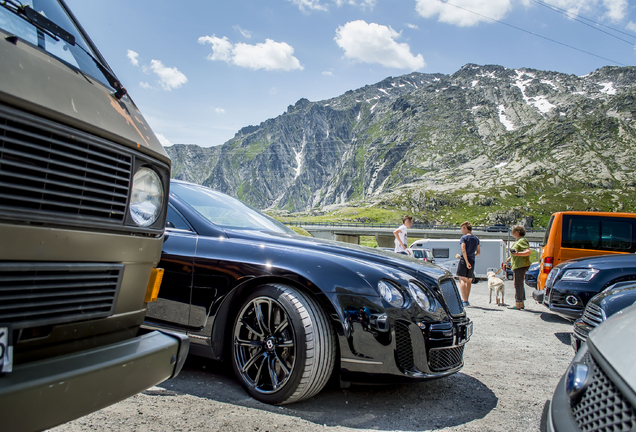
469 330
6 351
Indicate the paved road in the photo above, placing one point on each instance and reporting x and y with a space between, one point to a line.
513 364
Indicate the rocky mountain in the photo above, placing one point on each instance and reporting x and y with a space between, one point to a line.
486 143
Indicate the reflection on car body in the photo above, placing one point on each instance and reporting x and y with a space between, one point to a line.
235 279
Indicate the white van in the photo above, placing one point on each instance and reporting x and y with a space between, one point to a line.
492 258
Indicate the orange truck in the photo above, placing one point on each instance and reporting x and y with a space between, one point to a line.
574 234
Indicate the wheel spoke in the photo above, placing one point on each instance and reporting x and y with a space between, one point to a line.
282 364
260 318
248 343
281 326
249 327
272 373
269 315
285 344
253 360
259 371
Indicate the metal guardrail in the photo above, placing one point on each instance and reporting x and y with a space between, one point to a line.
415 226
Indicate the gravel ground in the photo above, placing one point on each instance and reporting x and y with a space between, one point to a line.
512 365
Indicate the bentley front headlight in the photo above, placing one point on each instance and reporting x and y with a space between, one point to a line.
146 201
422 297
392 294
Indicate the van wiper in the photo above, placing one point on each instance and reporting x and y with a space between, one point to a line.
56 32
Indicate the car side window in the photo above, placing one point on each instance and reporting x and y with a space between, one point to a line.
440 253
591 232
174 220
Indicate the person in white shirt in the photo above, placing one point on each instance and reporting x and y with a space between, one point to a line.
401 238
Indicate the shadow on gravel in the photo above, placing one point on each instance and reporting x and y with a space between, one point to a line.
447 402
554 318
488 309
564 337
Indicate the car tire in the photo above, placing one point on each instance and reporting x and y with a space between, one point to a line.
280 363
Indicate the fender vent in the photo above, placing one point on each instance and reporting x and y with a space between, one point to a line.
403 347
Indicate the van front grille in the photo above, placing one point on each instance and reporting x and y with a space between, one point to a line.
38 294
49 172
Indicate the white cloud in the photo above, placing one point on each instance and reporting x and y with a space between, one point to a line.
328 73
133 56
145 85
616 9
412 26
361 3
449 14
269 55
309 5
273 91
375 43
169 78
163 140
221 47
631 26
246 33
219 110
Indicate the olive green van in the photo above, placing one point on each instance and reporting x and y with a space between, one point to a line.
83 198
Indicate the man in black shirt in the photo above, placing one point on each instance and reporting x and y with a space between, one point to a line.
466 268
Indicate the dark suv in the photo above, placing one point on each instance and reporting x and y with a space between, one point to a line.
572 284
614 299
83 195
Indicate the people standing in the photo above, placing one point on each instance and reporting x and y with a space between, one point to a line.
401 237
520 258
466 268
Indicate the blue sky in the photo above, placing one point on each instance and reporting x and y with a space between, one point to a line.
201 70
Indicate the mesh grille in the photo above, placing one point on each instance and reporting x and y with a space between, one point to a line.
403 346
442 359
36 294
451 296
48 171
602 408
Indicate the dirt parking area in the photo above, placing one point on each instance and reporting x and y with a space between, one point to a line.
512 365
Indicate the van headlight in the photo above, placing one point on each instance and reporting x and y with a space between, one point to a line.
392 294
146 201
579 275
422 297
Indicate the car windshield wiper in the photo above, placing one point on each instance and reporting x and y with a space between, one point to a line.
56 32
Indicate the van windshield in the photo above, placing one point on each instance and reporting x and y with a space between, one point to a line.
53 10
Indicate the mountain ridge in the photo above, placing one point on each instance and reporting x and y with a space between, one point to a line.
481 142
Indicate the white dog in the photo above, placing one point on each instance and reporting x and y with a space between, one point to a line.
497 285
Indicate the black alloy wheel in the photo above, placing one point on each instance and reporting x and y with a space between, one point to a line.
264 345
283 347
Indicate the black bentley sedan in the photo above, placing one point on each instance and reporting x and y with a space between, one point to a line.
614 299
572 284
289 311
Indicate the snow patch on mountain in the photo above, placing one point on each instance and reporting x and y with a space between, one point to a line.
504 119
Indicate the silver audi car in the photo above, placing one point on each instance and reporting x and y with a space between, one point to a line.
598 391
